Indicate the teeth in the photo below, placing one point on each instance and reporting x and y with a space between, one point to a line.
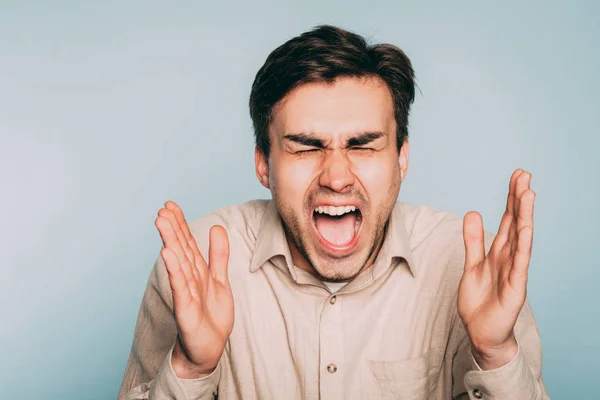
333 210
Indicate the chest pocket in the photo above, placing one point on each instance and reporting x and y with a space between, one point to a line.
409 379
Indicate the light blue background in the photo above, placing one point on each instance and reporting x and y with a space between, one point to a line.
109 109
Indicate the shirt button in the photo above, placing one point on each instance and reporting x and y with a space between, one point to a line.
331 368
332 300
477 394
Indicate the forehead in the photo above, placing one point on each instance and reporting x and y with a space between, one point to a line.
348 105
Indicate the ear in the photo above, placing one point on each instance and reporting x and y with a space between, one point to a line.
262 167
403 159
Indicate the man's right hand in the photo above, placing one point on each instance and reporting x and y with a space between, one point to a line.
202 298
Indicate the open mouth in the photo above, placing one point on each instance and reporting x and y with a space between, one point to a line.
337 227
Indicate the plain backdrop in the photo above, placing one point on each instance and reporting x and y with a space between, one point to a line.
108 109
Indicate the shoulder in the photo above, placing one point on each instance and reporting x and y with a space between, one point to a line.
436 234
240 219
424 223
235 217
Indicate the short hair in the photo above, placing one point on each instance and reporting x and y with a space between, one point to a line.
324 54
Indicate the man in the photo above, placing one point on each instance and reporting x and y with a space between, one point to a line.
333 289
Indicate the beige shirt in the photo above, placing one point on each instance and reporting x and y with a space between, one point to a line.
391 333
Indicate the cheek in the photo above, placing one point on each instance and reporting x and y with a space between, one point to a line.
378 177
292 180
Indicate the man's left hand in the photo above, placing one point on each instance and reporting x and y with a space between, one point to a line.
493 287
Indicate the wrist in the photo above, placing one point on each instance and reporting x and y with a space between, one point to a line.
184 368
492 357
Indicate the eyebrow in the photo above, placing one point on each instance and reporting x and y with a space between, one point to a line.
305 139
364 138
312 140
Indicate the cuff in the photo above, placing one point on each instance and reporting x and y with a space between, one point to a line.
511 381
167 385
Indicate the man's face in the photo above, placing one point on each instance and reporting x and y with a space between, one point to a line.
334 172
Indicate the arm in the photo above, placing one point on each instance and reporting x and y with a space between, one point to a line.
520 378
500 355
185 318
149 372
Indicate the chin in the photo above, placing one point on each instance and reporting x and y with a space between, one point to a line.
335 269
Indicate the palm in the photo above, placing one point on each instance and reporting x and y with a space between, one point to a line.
202 299
493 287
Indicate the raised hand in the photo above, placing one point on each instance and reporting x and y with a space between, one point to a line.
202 299
493 288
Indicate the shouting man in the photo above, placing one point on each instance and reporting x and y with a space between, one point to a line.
334 289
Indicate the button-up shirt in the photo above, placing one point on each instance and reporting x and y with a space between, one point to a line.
393 332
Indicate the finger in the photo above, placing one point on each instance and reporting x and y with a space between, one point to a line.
218 254
522 186
171 241
507 218
167 232
165 212
179 284
512 189
501 238
178 212
518 272
183 250
180 217
474 241
526 206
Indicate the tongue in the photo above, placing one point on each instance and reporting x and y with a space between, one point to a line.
336 230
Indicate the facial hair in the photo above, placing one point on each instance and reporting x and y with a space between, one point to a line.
293 229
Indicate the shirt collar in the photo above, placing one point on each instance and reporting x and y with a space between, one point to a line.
271 242
270 239
396 244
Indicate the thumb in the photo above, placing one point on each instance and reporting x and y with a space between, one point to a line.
473 237
218 254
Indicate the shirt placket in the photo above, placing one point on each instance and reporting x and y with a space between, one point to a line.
331 350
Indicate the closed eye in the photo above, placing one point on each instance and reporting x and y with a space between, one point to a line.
308 151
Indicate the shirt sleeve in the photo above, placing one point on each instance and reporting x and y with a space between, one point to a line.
521 378
149 373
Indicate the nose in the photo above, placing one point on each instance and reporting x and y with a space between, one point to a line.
336 173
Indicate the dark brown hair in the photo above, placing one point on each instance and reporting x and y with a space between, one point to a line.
322 55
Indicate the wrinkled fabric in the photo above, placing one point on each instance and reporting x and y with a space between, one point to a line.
393 332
